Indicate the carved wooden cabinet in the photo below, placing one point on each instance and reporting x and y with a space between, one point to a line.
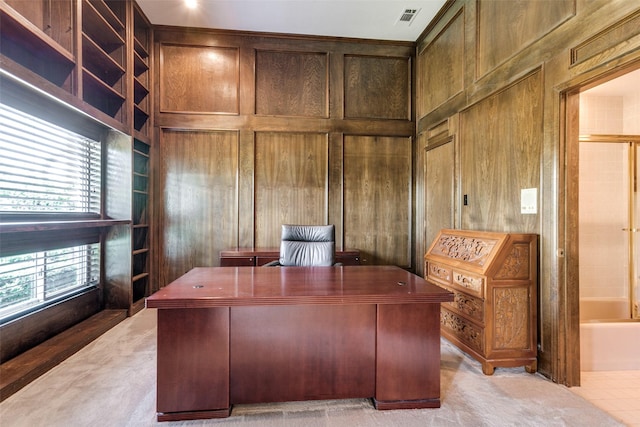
493 276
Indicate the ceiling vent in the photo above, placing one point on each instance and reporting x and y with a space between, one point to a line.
407 16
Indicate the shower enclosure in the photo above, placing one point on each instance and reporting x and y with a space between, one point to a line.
609 228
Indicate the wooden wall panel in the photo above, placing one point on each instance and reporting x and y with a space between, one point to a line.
505 28
291 182
619 33
440 190
377 87
444 58
199 79
498 158
199 216
377 198
292 83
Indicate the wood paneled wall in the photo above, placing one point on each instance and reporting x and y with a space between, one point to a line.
257 130
492 84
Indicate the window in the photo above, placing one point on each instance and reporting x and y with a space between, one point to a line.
45 168
46 173
31 280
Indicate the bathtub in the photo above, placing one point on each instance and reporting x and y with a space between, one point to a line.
610 346
606 342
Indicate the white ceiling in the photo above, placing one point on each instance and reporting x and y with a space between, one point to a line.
368 19
626 85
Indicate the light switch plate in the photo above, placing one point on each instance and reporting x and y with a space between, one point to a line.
529 201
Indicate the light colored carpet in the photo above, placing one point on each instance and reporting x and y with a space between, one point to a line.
111 382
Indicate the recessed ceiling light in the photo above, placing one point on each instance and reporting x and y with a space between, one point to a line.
191 4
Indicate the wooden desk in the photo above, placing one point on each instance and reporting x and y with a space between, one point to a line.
229 335
255 257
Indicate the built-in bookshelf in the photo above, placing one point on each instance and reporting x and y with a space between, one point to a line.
96 56
104 56
141 74
140 224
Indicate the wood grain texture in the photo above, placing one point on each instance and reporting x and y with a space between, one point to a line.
292 83
505 28
199 79
400 328
198 172
291 175
613 35
444 58
439 190
315 352
377 88
193 359
377 198
501 157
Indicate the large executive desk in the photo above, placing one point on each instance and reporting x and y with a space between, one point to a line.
230 335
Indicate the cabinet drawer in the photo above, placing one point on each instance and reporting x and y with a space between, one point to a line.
463 329
439 273
469 283
468 305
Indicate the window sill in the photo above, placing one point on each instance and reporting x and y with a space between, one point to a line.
21 227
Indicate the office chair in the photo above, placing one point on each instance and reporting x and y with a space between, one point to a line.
307 245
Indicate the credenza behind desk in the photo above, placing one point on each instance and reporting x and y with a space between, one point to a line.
255 257
231 335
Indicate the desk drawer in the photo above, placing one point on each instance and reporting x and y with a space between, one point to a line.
245 261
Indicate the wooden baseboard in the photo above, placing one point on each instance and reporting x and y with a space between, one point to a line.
26 367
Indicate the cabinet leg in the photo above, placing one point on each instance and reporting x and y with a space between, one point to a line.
487 368
532 367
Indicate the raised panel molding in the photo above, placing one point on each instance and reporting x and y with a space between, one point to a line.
200 211
444 60
621 32
291 182
377 87
292 84
199 79
504 29
498 158
377 198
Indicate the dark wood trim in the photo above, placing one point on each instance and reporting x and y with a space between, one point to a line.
21 370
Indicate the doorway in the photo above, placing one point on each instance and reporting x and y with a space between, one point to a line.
606 266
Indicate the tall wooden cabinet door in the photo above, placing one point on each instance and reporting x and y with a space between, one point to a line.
193 359
439 190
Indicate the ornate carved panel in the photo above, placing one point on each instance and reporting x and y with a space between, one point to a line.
377 87
292 84
472 307
470 283
468 249
516 265
463 330
439 273
511 318
199 79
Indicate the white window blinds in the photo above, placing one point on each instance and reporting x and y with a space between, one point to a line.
45 168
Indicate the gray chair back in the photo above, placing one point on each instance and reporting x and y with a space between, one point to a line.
307 245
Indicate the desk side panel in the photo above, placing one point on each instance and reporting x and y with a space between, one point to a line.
408 356
193 360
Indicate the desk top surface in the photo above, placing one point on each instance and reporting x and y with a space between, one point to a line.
248 286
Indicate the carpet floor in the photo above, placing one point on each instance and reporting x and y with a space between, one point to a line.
112 382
